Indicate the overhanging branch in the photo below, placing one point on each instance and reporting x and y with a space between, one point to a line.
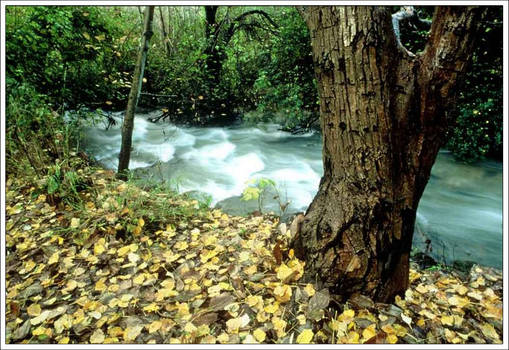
407 13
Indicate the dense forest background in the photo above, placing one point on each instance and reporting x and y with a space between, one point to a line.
207 65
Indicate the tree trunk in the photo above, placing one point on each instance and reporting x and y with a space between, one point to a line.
383 117
127 125
215 46
166 40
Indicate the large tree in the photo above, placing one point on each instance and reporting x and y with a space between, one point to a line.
384 113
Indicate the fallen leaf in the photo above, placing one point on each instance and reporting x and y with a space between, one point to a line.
97 337
305 336
259 335
489 331
154 326
131 333
34 310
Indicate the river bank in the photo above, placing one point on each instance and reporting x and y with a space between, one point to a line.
460 212
128 265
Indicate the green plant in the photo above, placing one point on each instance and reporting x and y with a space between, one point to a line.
259 189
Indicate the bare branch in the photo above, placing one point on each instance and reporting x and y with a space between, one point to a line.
406 12
236 23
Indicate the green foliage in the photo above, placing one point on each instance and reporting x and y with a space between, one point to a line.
66 56
65 183
42 145
258 189
477 132
276 76
74 54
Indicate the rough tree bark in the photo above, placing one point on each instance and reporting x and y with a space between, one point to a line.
127 125
383 117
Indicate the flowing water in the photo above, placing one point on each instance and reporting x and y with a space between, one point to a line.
460 211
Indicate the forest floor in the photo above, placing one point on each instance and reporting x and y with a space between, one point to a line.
127 265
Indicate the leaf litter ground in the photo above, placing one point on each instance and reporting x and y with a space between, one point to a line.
109 272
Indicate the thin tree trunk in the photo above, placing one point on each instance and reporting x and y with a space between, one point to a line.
164 33
383 117
127 126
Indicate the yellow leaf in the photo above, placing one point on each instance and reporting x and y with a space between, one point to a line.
369 332
202 330
165 293
86 36
392 339
309 289
458 301
97 337
113 288
154 326
54 258
302 319
181 245
34 310
422 289
168 284
298 268
428 314
75 222
284 272
110 340
115 332
100 286
99 247
447 320
305 337
28 266
233 325
347 315
388 329
131 333
244 256
489 331
283 293
39 331
133 257
223 338
254 300
182 310
400 330
462 290
123 251
279 326
190 328
259 335
71 285
64 322
139 279
64 340
151 308
272 308
353 337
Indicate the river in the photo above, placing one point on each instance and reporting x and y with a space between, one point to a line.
460 211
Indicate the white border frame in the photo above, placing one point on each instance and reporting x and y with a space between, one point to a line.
505 232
